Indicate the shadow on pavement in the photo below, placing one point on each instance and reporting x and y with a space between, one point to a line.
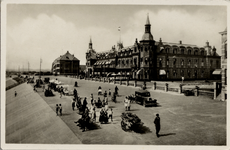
167 134
142 129
90 126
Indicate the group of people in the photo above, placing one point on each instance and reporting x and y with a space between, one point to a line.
127 103
59 109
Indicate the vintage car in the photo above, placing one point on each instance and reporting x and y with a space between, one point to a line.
143 97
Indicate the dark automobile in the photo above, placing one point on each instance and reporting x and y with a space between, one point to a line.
143 97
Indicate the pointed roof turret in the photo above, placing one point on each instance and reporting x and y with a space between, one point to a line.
147 35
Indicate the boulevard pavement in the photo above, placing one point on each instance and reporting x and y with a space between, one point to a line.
184 120
30 120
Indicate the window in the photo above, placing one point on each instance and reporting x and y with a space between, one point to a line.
166 50
141 59
146 60
146 49
142 49
202 52
127 62
182 62
225 72
135 49
174 50
202 73
225 50
131 61
196 52
189 52
160 63
182 51
189 62
189 74
167 74
174 73
210 63
202 63
196 63
174 61
167 62
182 73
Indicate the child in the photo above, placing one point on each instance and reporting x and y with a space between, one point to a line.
109 92
60 109
57 109
111 114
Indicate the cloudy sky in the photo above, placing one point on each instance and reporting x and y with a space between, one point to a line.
46 31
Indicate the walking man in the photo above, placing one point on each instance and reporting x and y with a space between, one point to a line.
157 124
15 94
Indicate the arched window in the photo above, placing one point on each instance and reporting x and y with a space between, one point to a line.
202 52
167 62
167 50
174 50
196 52
189 51
182 50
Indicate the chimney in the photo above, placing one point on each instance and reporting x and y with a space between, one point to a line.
180 42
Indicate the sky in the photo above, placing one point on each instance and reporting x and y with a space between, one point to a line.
46 31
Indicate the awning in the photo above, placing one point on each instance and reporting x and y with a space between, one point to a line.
113 74
139 71
162 72
217 72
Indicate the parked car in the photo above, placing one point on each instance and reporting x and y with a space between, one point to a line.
143 97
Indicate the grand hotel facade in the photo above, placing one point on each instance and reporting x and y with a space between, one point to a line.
155 60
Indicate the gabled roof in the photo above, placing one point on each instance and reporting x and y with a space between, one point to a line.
67 56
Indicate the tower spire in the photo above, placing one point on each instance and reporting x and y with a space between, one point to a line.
90 44
147 21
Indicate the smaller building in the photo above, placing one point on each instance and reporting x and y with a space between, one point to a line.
66 64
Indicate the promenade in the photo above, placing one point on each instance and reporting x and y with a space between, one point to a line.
184 120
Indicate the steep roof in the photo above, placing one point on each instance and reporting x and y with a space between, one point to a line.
67 56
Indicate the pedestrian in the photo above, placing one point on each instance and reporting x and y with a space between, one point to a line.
61 91
15 93
75 93
73 105
84 104
106 103
105 94
60 109
116 90
109 92
91 99
157 124
57 109
126 103
94 114
110 112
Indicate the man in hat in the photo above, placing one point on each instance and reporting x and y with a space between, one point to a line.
157 124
